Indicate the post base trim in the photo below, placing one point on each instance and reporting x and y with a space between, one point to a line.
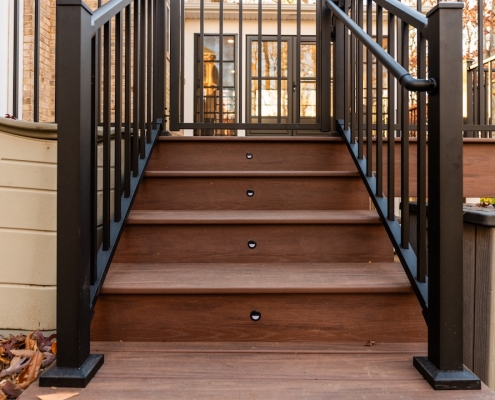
446 380
73 377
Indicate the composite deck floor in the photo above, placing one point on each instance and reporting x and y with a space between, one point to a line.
259 371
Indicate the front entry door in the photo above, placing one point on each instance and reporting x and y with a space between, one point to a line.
296 100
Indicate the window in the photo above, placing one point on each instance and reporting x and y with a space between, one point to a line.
217 97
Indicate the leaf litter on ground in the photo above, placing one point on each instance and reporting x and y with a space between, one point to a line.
22 359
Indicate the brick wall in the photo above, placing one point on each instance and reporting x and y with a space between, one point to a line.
47 61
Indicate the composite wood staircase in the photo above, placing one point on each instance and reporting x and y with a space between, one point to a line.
315 308
255 240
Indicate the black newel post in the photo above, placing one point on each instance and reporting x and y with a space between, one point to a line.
443 368
75 366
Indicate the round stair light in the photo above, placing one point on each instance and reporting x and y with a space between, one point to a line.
251 244
255 315
250 193
249 156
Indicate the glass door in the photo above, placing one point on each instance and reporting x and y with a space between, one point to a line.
265 102
216 100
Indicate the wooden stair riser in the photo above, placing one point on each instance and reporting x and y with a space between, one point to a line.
310 193
291 317
275 243
267 156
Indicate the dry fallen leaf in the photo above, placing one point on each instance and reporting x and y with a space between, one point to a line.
11 389
370 343
54 347
32 370
58 396
48 359
23 353
30 342
2 395
4 360
16 367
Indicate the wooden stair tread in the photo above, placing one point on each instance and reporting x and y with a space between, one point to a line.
249 174
209 370
175 217
220 139
208 278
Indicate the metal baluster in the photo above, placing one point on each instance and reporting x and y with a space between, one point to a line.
421 167
391 123
260 27
36 83
128 100
136 89
353 71
359 95
201 63
405 142
118 119
279 61
142 80
240 63
379 101
220 62
369 92
347 72
106 134
298 64
95 111
149 88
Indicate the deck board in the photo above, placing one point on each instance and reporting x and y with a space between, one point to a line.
259 371
181 278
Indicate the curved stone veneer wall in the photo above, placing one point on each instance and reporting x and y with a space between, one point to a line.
28 223
28 201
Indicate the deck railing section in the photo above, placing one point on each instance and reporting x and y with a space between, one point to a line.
479 105
112 56
362 61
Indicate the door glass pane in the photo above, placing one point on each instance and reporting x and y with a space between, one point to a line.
208 97
308 60
228 74
212 47
269 98
269 58
308 99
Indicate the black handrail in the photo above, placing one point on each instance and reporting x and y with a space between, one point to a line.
397 70
88 229
440 289
405 13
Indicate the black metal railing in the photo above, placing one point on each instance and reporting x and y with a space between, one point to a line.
480 100
96 163
361 65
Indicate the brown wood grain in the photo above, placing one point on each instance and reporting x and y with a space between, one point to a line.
275 243
201 278
229 193
287 155
413 348
183 387
478 170
190 370
250 217
292 317
483 310
469 282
